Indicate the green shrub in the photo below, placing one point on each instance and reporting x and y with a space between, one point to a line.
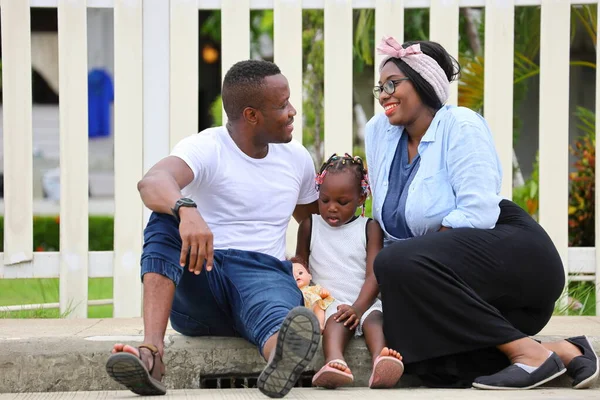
46 233
582 182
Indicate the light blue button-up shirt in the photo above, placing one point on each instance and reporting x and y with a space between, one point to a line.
459 179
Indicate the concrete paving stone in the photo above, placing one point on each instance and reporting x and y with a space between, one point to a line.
320 394
70 355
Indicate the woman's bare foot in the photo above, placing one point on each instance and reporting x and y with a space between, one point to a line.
565 350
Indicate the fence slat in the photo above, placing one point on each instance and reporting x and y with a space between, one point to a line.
554 122
338 77
183 69
597 177
17 111
72 51
235 35
498 82
389 21
156 82
129 140
443 28
287 33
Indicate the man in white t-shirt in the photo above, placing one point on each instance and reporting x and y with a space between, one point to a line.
213 258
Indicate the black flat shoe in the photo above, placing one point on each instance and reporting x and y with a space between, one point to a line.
514 377
583 369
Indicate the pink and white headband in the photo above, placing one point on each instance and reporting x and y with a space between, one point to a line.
424 65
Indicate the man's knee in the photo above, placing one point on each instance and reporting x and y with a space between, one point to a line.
157 265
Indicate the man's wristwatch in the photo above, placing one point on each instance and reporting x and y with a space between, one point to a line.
183 202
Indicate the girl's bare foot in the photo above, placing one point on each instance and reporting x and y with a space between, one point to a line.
387 369
386 351
338 365
333 374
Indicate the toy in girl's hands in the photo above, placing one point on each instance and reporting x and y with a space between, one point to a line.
316 297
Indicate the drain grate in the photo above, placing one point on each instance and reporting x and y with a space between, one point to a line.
245 381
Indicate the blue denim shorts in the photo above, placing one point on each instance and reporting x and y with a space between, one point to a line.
246 294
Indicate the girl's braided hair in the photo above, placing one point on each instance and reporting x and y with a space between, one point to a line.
337 163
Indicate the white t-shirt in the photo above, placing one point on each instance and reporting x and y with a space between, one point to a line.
246 202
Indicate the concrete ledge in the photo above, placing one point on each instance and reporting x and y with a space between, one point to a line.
69 355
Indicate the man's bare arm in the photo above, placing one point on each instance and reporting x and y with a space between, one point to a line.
161 186
303 211
160 189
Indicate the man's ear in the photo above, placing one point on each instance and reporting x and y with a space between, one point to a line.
251 115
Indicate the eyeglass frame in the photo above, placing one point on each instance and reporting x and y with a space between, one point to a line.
377 89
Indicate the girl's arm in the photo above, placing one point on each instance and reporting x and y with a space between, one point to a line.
370 289
303 241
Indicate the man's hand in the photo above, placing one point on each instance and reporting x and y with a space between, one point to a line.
197 240
324 293
349 315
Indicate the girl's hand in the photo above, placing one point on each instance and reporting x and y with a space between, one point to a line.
349 315
324 293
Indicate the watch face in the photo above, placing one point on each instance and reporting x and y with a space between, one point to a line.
187 202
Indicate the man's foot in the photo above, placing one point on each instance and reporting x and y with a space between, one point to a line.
297 343
333 374
387 369
140 369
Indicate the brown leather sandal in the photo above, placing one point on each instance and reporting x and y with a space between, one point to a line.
131 371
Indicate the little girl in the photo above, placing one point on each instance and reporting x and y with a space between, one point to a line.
340 248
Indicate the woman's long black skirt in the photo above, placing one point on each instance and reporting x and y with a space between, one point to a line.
449 298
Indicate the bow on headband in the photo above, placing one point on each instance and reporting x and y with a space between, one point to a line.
390 47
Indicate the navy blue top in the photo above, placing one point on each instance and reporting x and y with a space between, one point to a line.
401 175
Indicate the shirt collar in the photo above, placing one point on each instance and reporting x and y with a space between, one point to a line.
431 132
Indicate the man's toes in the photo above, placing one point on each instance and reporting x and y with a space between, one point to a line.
130 349
117 348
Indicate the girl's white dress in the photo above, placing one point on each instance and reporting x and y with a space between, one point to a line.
338 262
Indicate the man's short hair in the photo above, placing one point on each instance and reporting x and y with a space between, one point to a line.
243 84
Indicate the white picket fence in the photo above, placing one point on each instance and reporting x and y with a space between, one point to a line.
156 103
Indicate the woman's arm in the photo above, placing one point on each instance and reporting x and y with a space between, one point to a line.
370 289
475 177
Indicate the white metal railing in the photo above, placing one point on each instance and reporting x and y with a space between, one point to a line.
156 81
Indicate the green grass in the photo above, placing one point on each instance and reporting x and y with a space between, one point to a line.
38 291
585 293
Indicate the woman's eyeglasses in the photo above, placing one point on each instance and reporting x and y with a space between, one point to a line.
388 86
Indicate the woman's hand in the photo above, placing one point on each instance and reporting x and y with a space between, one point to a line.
348 315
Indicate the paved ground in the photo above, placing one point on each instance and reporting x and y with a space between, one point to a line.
70 355
318 394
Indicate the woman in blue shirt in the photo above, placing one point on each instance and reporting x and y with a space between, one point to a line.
465 276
